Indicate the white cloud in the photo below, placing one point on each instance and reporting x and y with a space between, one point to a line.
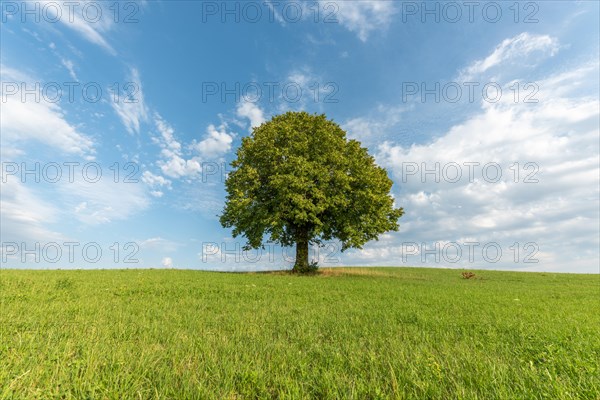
206 200
155 180
559 135
166 132
152 242
172 163
155 183
81 207
158 243
179 161
131 107
68 64
25 215
372 128
359 17
216 142
103 201
303 89
167 262
38 119
91 31
363 17
275 12
176 167
312 87
10 153
515 49
251 111
364 128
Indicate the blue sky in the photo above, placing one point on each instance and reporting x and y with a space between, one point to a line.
485 114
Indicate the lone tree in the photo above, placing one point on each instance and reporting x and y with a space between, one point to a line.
299 179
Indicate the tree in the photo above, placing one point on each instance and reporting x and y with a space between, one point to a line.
299 180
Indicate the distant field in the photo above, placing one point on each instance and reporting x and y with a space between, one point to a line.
352 333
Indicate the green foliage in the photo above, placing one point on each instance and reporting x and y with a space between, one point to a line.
298 180
368 333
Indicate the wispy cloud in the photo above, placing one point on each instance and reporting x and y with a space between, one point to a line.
70 66
158 243
103 201
514 49
38 119
359 17
25 213
131 107
372 128
363 17
156 183
71 17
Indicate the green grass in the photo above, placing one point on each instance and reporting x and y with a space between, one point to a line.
351 333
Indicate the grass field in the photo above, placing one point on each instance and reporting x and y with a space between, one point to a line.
352 333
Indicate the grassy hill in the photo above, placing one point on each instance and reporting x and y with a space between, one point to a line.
351 333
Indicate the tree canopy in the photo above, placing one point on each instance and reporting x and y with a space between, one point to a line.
298 180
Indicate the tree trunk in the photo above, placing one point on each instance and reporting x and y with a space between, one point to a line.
301 264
